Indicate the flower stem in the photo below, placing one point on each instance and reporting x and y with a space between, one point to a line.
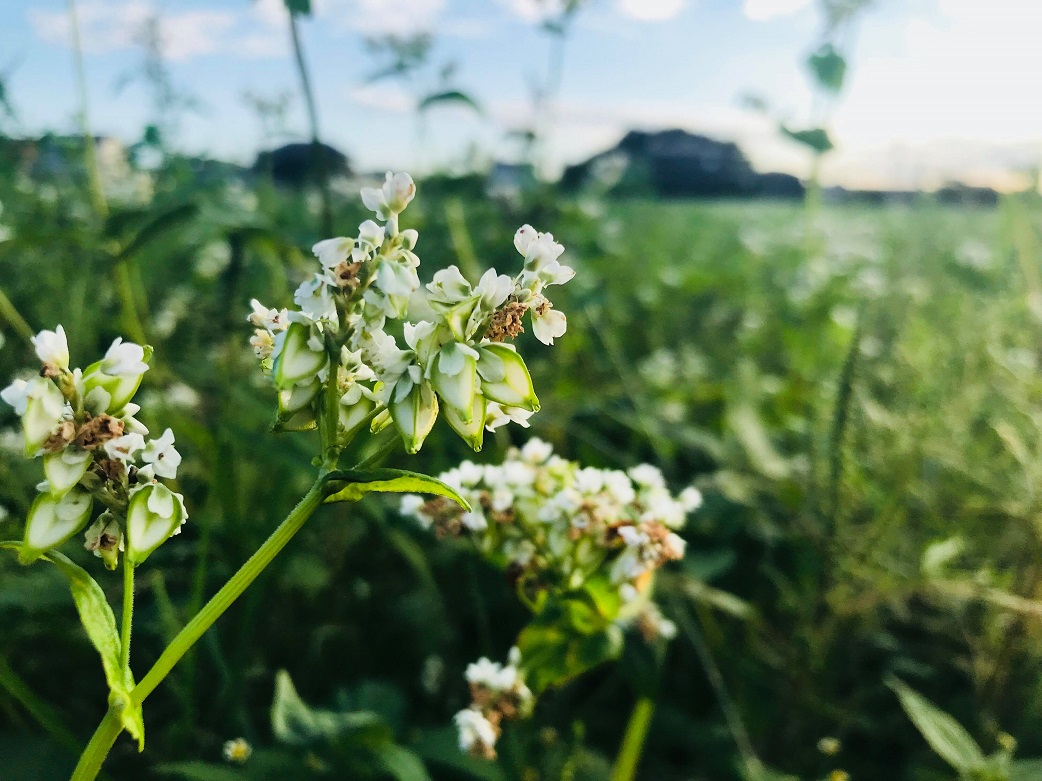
90 159
93 756
128 611
109 729
633 741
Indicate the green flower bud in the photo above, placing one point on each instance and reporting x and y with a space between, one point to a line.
53 520
505 378
472 431
454 376
65 469
108 393
414 408
154 515
300 357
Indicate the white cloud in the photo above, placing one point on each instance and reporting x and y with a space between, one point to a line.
651 10
535 10
385 17
762 10
391 98
113 25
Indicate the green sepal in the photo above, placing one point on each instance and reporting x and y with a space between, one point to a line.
510 385
120 389
297 360
52 520
472 431
100 624
414 414
350 485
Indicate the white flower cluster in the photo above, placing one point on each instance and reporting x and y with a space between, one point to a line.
82 422
498 693
552 522
392 350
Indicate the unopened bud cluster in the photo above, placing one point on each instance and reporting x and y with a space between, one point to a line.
392 350
82 423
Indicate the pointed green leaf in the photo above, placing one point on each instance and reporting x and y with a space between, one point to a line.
828 67
815 138
352 484
295 723
945 735
448 96
400 763
100 623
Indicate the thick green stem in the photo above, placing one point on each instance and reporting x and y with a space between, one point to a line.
93 756
109 729
128 611
633 741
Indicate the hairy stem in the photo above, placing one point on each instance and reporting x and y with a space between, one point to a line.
93 756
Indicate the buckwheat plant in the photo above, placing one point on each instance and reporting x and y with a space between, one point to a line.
581 546
365 348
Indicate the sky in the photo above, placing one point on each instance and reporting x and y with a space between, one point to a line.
938 90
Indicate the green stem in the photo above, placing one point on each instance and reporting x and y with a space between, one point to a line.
93 756
90 160
109 729
131 321
128 611
633 741
14 318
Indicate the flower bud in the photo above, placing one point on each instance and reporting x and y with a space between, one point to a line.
471 431
44 408
52 348
104 539
52 520
64 469
110 384
454 376
297 359
414 408
155 514
505 378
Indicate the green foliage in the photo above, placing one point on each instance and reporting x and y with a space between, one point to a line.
351 485
816 139
944 734
828 67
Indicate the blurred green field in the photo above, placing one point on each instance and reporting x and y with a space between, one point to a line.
856 393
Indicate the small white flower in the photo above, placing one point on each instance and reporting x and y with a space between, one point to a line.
475 731
123 448
270 319
690 499
497 415
124 359
162 455
17 395
647 475
397 191
52 348
633 537
371 235
332 252
536 451
547 323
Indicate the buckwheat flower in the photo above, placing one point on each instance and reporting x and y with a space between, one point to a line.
104 539
237 751
155 514
391 199
52 348
17 395
474 520
162 455
647 475
524 237
690 499
411 505
332 252
498 415
124 359
263 343
123 448
633 537
536 451
371 235
315 299
547 323
477 735
270 319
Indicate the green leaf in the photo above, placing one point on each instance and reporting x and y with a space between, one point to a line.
828 67
100 623
568 637
946 736
400 763
352 484
298 7
815 138
295 723
448 96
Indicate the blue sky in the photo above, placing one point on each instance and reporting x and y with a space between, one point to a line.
940 89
